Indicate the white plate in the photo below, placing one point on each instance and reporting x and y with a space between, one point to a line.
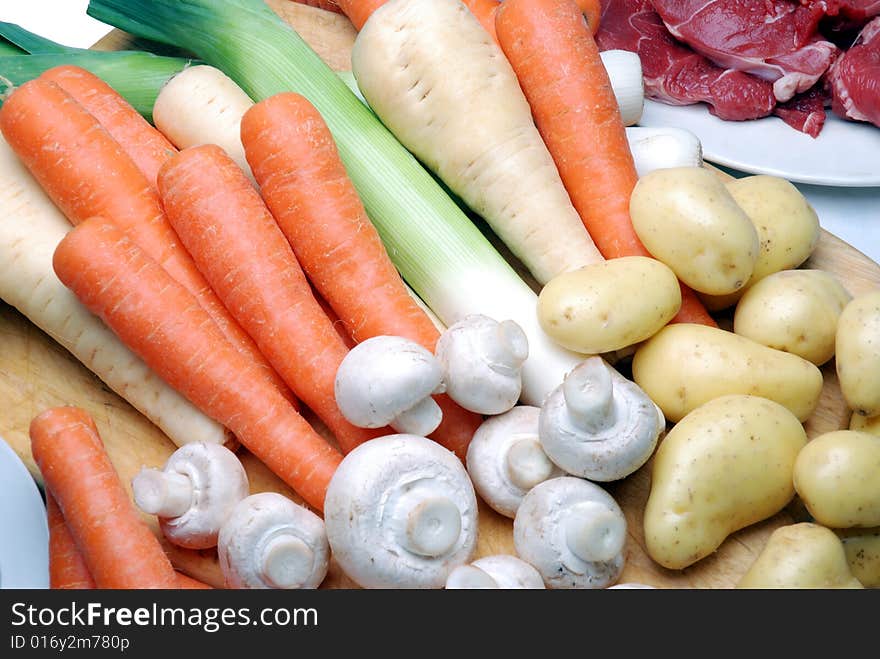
845 154
24 533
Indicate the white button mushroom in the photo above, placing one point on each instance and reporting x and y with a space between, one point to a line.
388 380
193 494
482 363
505 459
271 542
598 424
401 512
632 585
573 532
499 571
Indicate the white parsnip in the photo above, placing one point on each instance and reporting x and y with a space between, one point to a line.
30 229
202 105
440 83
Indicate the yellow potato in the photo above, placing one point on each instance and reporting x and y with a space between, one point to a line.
685 365
869 424
787 226
837 476
858 354
801 556
726 465
610 305
686 218
795 311
862 547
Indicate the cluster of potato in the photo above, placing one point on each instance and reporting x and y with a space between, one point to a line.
738 452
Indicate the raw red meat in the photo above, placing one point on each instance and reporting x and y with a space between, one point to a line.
674 73
776 40
805 112
855 10
855 78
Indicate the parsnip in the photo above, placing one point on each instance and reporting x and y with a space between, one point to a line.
30 229
439 82
202 105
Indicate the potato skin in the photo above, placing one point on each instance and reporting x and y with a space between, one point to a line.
837 476
610 305
685 365
726 465
857 349
686 218
801 555
794 311
862 547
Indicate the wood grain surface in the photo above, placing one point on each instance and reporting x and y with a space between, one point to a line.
36 373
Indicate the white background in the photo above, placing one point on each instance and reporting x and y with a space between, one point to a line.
853 214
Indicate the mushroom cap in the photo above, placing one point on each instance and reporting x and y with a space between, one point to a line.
482 363
383 377
498 571
565 514
401 512
219 482
271 542
600 448
631 585
505 458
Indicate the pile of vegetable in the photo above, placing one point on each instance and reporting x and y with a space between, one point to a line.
265 254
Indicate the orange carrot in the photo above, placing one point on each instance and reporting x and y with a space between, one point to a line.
161 322
145 145
224 224
358 11
303 181
116 545
185 582
67 569
557 63
592 11
484 10
86 173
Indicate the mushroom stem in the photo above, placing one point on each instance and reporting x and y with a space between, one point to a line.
421 419
431 523
470 576
504 346
287 561
527 464
588 393
593 532
162 493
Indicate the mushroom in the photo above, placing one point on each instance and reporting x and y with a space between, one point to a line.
482 362
388 380
401 512
505 459
573 532
598 424
499 571
631 585
271 542
193 494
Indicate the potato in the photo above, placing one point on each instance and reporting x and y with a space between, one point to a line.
870 424
685 365
862 547
610 305
801 556
724 466
858 353
686 218
795 311
837 476
787 226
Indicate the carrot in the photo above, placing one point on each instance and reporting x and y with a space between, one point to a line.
145 145
484 10
358 11
117 546
224 224
86 173
161 322
592 11
185 582
67 569
303 181
558 66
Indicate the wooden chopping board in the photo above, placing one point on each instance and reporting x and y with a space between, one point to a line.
36 373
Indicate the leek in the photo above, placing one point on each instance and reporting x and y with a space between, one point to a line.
136 75
434 245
